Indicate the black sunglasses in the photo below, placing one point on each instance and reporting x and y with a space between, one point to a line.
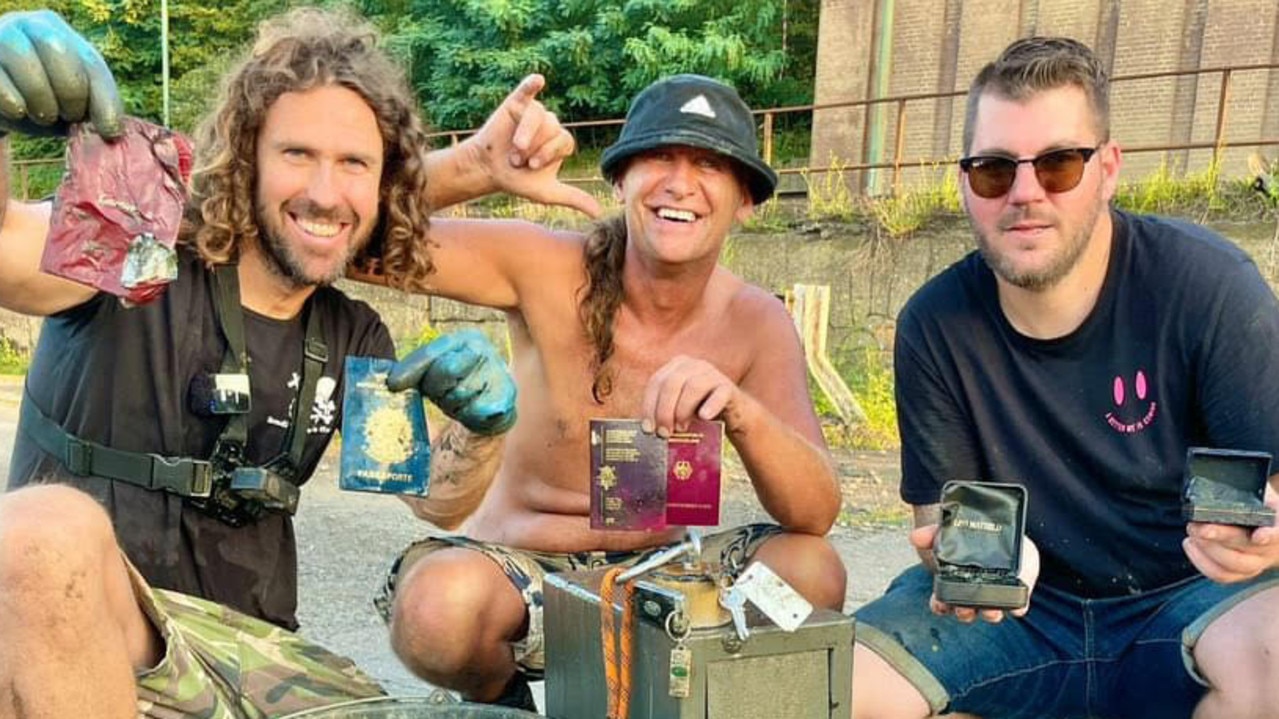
992 176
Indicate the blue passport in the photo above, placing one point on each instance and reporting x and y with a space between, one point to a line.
385 446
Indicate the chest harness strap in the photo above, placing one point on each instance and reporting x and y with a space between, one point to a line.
221 486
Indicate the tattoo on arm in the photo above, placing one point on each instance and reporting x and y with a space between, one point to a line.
462 468
926 514
458 458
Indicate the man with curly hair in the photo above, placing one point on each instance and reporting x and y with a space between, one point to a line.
315 158
635 319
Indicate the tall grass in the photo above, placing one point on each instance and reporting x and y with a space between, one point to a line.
869 374
1166 191
902 214
830 193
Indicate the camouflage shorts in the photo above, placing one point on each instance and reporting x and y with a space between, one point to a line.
221 664
526 569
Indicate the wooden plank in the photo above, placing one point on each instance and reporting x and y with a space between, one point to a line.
810 309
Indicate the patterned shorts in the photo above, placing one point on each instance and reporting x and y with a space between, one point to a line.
221 664
526 570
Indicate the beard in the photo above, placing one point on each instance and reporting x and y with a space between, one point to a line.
286 263
1058 266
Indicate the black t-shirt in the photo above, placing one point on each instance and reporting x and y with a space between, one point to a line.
120 377
1181 350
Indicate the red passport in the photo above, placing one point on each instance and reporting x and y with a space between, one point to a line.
692 483
641 482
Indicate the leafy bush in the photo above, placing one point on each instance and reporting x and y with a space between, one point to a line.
464 56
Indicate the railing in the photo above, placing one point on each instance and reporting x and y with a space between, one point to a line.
898 162
900 102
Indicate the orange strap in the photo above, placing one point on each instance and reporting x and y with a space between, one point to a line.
617 655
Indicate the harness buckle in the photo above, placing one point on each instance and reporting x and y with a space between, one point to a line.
316 349
181 476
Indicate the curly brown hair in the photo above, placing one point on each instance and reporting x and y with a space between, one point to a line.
603 254
295 52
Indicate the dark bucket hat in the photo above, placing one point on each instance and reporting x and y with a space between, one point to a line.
694 111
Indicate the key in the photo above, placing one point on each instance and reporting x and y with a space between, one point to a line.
692 547
735 602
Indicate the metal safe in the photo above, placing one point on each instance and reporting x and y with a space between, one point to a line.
773 674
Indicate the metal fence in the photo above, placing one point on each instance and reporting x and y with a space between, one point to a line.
602 131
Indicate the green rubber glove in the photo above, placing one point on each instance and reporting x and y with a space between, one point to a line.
464 376
50 76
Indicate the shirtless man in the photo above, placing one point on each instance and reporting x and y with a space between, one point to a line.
634 319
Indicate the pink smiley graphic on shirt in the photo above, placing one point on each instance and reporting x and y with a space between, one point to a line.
1134 409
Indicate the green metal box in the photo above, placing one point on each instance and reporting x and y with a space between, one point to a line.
805 674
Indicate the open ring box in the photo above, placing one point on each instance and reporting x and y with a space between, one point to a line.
1226 486
978 547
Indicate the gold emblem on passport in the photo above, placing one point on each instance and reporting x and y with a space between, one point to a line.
683 470
388 435
608 477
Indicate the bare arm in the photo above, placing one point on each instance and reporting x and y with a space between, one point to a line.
23 287
519 151
494 263
776 431
768 417
463 465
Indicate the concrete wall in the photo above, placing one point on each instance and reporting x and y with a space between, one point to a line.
882 48
870 276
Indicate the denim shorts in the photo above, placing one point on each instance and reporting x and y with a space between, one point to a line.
1126 657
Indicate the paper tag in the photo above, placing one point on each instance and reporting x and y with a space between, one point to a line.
681 674
773 597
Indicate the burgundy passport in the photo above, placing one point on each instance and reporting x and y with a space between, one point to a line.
628 476
641 482
692 484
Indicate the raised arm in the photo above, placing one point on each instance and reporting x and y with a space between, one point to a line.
518 151
55 77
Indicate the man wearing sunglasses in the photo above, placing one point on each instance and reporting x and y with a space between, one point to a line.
1079 352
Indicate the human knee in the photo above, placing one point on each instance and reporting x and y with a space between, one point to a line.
881 692
443 613
810 564
46 530
1238 656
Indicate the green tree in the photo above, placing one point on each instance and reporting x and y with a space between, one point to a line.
202 39
465 55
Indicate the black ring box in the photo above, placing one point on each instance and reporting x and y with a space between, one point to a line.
978 547
1226 486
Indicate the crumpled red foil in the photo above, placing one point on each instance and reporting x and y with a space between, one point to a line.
117 213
